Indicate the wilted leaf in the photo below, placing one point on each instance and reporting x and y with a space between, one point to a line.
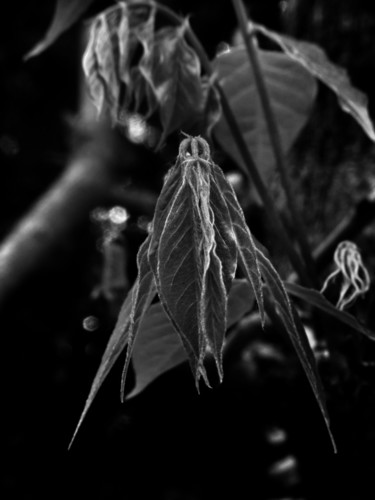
110 59
129 313
292 91
295 331
158 347
67 13
173 71
316 299
314 59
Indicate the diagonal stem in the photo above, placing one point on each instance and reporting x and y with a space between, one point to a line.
274 135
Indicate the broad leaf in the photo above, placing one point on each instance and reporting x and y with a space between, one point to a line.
128 320
316 299
296 333
67 13
292 92
314 59
158 348
247 254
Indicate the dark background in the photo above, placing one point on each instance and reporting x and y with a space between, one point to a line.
170 443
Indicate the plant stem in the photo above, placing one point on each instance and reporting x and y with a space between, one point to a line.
271 210
274 135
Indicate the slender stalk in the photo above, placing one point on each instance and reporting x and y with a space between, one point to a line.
274 135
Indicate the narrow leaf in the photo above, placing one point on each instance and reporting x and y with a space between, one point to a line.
159 348
247 252
189 272
314 59
120 336
292 92
296 333
67 13
144 292
163 207
316 299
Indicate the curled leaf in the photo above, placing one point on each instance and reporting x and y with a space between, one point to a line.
133 66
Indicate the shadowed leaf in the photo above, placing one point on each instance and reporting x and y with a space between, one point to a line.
159 348
295 331
246 250
316 299
67 13
292 92
132 310
173 71
314 59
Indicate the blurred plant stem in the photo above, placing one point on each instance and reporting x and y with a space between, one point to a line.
93 178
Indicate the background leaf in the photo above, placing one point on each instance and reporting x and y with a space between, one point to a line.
316 299
292 91
67 12
314 59
159 348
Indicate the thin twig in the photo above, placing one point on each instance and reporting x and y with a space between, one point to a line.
274 135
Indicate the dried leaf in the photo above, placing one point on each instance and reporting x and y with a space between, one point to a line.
316 299
292 92
67 13
109 61
314 59
158 348
296 333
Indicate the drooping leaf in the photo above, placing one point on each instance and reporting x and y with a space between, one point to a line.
317 300
132 310
110 59
144 292
189 272
292 92
67 13
293 327
173 71
314 59
158 347
247 254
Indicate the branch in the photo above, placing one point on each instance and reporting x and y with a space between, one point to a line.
92 178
